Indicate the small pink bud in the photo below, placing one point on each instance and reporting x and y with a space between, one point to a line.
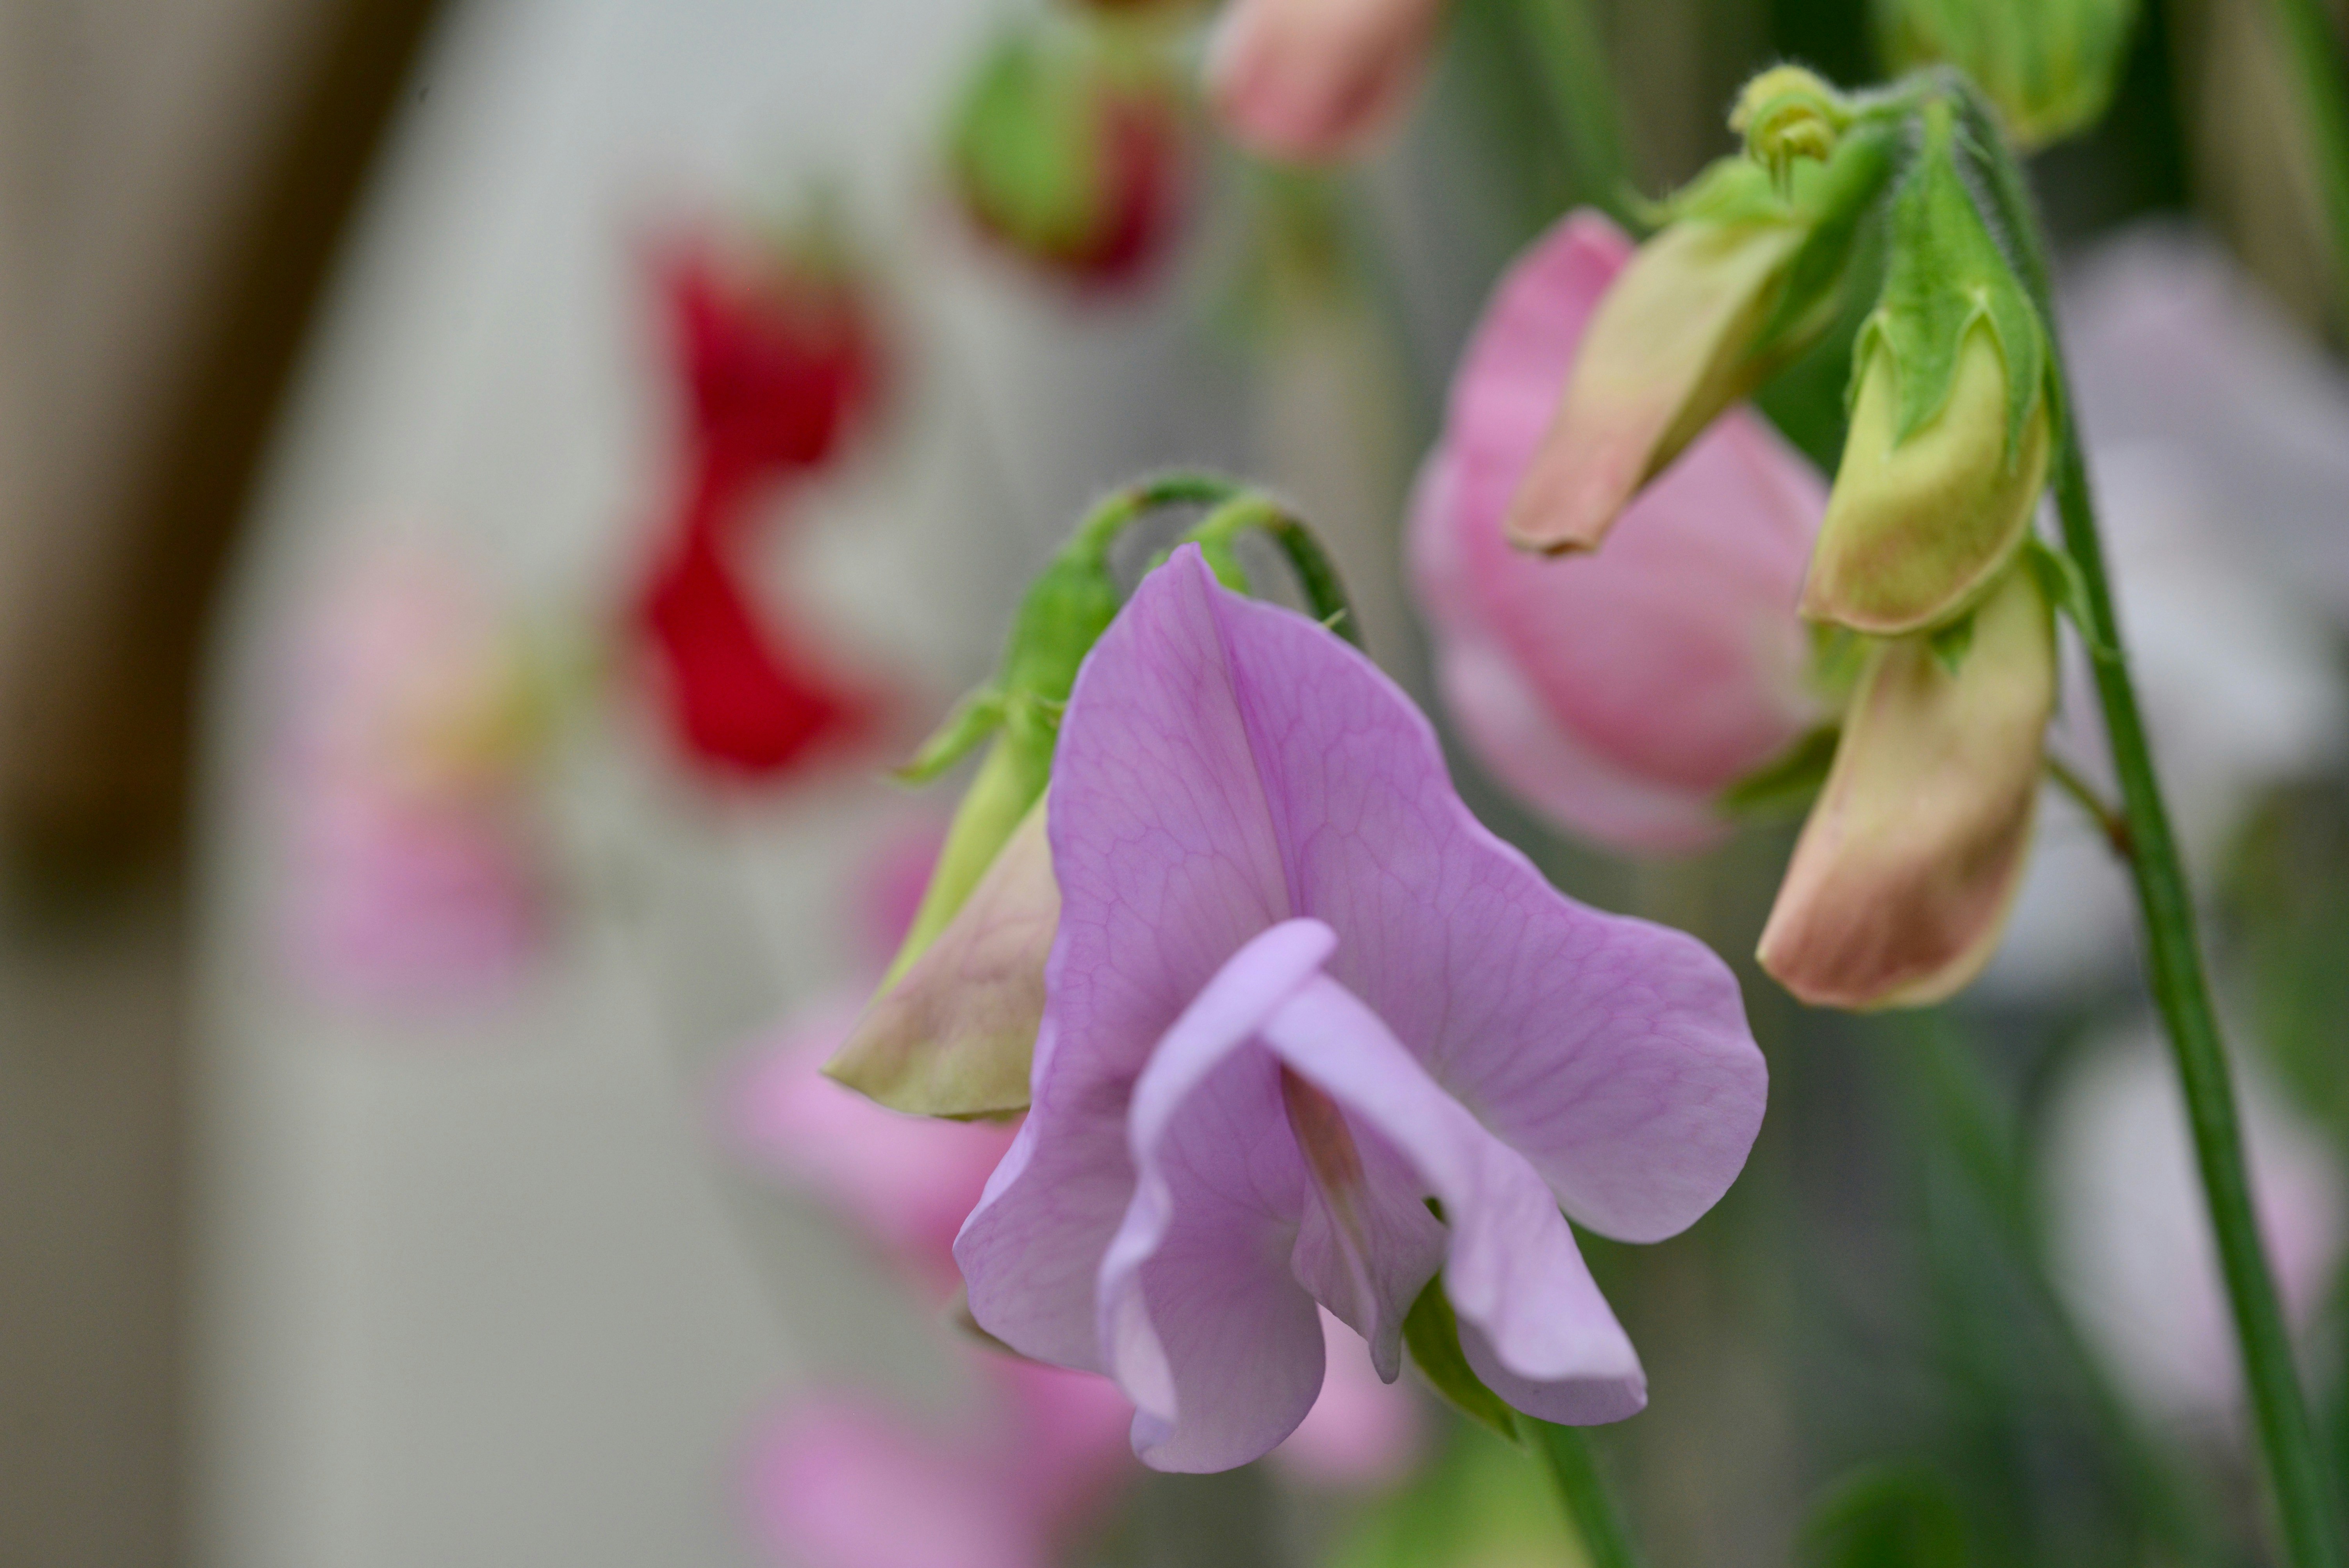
1313 80
1668 349
951 1033
1902 879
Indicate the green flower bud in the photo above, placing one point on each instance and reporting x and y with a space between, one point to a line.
2049 65
1900 884
950 1031
1786 114
1950 428
1743 280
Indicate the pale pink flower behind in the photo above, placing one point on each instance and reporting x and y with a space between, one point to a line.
413 867
1618 692
1311 80
2130 1234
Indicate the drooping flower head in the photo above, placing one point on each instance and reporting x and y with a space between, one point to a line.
1299 1004
1620 692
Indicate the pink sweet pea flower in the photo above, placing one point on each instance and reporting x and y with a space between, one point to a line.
1311 80
414 871
845 1481
1618 692
1296 991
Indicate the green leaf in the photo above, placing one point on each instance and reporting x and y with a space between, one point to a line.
1784 785
1886 1517
974 718
1432 1333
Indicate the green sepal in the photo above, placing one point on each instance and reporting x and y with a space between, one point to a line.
1834 198
1432 1335
1021 138
2066 588
1886 1517
1784 785
973 719
1950 644
1946 272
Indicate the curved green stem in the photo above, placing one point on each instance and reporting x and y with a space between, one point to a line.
1317 574
1110 515
1574 1469
2314 50
2306 1506
1571 58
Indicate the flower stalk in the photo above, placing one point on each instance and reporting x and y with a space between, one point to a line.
2314 50
1589 1506
2305 1508
1569 56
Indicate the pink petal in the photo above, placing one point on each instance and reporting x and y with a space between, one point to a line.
1363 1433
1671 659
840 1482
1533 1322
1213 1338
1315 79
906 1181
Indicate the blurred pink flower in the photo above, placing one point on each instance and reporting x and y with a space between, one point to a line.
1618 692
1310 80
1361 1433
904 1181
2129 1236
843 1479
413 869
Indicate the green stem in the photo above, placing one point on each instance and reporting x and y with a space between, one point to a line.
1317 574
2314 50
2304 1502
1571 58
1589 1506
1110 515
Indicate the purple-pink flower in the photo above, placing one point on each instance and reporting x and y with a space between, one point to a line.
1297 994
1619 692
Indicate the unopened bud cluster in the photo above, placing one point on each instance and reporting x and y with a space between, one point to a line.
1915 844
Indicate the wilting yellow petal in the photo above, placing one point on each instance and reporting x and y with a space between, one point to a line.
1668 350
1901 881
1915 530
953 1035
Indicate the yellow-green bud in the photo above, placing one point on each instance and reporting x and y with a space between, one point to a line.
1900 884
1918 526
1952 424
1785 113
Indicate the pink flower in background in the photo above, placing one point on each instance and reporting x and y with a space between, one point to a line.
2129 1234
1616 693
1296 991
845 1479
1311 80
413 866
